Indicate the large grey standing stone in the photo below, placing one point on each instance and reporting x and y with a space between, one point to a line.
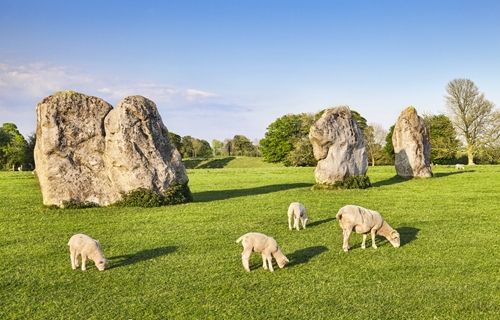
412 145
86 151
70 142
139 150
338 145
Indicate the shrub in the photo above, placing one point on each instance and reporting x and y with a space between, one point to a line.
177 193
142 197
353 182
74 204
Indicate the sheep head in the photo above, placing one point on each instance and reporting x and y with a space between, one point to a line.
394 238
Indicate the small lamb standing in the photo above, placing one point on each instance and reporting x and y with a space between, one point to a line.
81 244
298 212
258 242
459 166
361 220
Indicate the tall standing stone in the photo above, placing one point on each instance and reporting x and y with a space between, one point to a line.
338 146
70 143
86 151
139 152
412 145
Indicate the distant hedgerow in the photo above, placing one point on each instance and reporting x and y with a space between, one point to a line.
142 197
353 182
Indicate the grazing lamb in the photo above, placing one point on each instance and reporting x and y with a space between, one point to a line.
361 220
81 244
459 166
298 212
258 242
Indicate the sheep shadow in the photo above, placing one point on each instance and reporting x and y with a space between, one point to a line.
304 255
407 235
128 259
317 223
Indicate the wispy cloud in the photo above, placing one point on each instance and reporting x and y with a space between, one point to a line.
187 110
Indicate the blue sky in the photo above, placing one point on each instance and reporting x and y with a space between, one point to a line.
216 69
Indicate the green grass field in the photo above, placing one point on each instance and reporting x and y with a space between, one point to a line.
183 262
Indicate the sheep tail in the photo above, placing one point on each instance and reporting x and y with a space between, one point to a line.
239 239
339 215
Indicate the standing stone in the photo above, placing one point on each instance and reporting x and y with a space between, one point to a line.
70 143
139 151
86 151
412 145
338 146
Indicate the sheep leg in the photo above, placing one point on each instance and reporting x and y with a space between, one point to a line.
74 259
363 244
84 260
245 256
267 257
290 221
296 224
373 239
346 234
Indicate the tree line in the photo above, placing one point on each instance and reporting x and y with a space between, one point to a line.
468 132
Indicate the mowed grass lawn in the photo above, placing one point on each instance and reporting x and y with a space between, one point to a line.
183 262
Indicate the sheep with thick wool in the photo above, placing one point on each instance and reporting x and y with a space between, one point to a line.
81 244
297 211
267 246
362 220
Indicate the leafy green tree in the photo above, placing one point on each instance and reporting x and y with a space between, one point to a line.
278 140
374 136
192 147
302 154
204 149
176 140
13 153
217 147
29 151
389 147
242 146
475 118
443 138
283 134
187 149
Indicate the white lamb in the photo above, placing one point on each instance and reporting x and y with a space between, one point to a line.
258 242
361 220
298 212
459 166
81 244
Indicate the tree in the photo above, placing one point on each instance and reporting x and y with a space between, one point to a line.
29 151
242 146
13 152
217 147
443 138
374 136
176 140
283 134
277 142
389 147
476 120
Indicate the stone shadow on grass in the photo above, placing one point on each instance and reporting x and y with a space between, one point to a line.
128 259
207 196
304 255
207 163
398 179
